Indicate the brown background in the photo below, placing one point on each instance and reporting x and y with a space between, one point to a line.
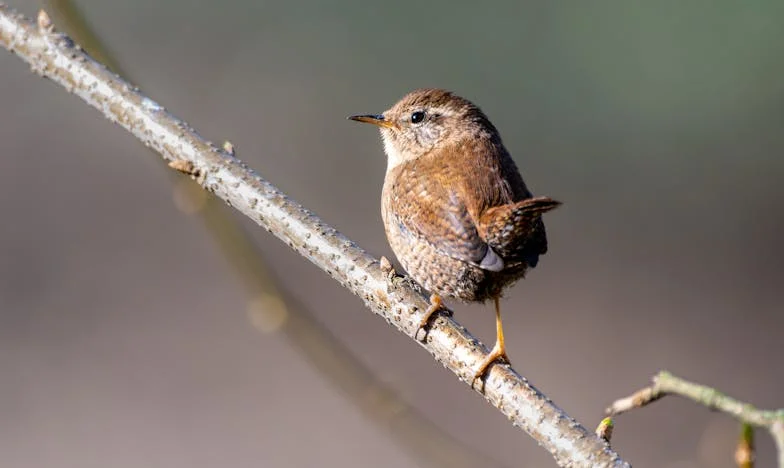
124 338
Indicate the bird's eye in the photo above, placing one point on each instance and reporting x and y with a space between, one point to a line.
417 117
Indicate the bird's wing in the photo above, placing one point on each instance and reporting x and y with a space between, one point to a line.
430 211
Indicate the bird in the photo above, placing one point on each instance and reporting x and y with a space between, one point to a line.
456 211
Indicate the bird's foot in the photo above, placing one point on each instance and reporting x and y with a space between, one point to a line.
436 305
497 353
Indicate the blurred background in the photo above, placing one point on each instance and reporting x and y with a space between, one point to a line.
127 339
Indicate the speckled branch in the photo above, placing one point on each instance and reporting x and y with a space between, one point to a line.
396 299
665 384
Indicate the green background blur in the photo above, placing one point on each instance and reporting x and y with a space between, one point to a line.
124 338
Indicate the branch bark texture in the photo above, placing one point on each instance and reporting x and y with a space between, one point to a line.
665 384
396 299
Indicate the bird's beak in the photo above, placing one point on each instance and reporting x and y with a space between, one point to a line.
373 119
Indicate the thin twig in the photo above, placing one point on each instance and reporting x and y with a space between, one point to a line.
665 384
56 57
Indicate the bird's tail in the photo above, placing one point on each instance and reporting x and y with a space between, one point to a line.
516 230
536 205
517 216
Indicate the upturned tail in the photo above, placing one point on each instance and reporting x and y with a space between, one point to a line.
534 206
516 231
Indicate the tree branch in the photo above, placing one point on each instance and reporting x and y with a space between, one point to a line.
396 299
665 384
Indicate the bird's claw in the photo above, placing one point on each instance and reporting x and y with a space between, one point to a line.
497 354
436 305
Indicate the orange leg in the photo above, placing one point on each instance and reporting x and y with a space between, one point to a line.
436 304
498 351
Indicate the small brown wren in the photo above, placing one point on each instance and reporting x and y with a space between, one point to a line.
456 211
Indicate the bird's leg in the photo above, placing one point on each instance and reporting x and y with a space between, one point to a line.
499 350
436 304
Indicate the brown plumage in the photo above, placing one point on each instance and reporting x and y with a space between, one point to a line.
456 211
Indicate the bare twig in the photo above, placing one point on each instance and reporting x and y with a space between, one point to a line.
56 57
665 384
